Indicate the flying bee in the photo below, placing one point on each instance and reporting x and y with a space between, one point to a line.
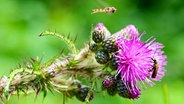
108 10
154 68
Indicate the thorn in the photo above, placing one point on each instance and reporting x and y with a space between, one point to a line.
25 63
89 43
55 32
41 59
50 90
41 34
32 59
11 70
37 91
75 38
62 51
19 66
68 36
36 97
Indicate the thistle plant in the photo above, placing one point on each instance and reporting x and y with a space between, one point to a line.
121 62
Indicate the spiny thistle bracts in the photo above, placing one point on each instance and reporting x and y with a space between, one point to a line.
131 63
110 45
82 93
121 89
99 33
102 56
93 47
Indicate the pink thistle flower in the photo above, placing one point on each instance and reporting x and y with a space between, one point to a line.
125 32
135 60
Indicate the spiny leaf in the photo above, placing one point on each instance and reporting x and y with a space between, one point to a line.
62 37
44 92
18 91
24 91
36 64
50 89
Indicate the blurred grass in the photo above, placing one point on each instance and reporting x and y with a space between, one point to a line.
165 93
21 22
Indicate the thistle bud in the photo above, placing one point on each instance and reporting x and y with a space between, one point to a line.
122 90
93 47
99 33
82 93
109 84
102 56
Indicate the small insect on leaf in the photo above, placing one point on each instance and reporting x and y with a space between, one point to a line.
107 10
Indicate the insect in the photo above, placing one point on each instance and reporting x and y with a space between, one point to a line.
154 69
108 10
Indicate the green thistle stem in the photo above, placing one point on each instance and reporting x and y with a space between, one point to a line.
60 74
12 75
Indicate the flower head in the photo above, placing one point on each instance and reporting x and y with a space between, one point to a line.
135 60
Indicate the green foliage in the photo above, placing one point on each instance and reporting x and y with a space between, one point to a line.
21 21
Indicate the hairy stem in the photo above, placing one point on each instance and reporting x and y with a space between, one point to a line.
61 75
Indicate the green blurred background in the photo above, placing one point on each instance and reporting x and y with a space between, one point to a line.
21 21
